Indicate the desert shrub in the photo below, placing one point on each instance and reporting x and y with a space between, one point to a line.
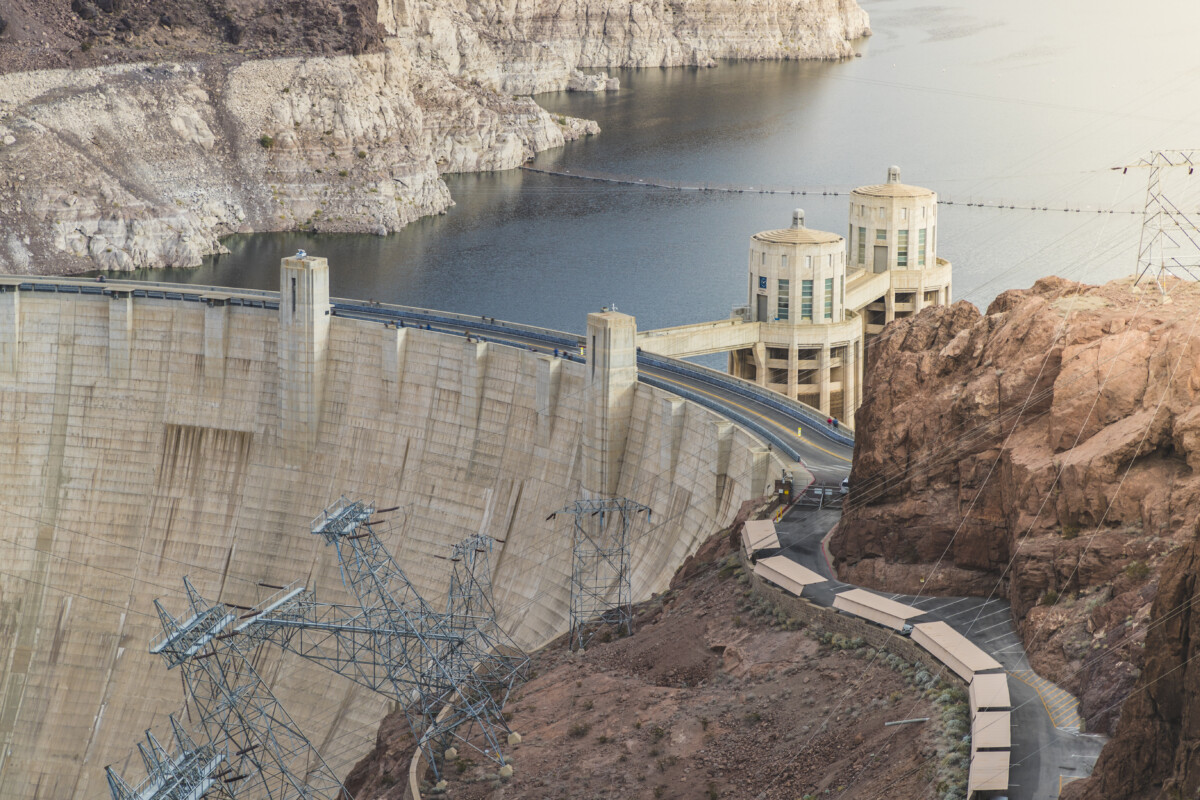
1137 570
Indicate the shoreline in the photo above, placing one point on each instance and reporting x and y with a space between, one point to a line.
150 164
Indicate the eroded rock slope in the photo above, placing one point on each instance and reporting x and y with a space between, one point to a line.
1044 451
716 695
1154 751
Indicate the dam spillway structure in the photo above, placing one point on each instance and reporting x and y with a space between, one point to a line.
149 432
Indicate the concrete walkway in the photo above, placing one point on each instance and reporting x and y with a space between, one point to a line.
1048 750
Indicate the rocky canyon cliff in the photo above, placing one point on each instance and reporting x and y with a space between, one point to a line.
135 134
1044 451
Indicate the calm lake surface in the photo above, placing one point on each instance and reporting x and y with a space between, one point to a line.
1025 103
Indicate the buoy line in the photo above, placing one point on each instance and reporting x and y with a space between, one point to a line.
725 189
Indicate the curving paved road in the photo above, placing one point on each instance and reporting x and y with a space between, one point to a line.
829 461
790 430
797 431
1045 753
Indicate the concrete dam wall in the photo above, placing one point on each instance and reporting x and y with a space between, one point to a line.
146 439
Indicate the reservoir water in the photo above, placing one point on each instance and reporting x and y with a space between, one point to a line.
1021 103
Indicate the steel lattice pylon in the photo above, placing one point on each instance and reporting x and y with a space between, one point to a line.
1170 239
194 771
471 613
268 755
451 672
601 590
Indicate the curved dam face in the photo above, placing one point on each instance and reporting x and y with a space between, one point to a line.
145 439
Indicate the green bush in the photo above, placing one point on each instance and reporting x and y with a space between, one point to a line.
1050 597
267 142
1137 570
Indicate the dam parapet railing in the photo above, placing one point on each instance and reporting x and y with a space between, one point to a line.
726 411
793 408
812 418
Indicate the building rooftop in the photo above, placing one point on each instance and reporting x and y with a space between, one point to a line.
893 188
797 234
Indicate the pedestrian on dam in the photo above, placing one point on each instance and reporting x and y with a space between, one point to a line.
835 423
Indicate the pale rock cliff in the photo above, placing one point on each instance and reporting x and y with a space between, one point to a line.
536 45
1045 452
147 165
582 82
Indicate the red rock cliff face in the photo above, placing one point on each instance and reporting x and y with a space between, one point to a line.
1043 452
1156 750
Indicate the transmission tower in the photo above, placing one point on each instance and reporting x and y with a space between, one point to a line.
1170 239
450 671
195 771
471 613
601 592
268 755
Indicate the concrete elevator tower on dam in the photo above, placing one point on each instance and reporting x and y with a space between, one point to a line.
816 299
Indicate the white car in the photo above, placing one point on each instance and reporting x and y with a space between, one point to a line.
846 485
